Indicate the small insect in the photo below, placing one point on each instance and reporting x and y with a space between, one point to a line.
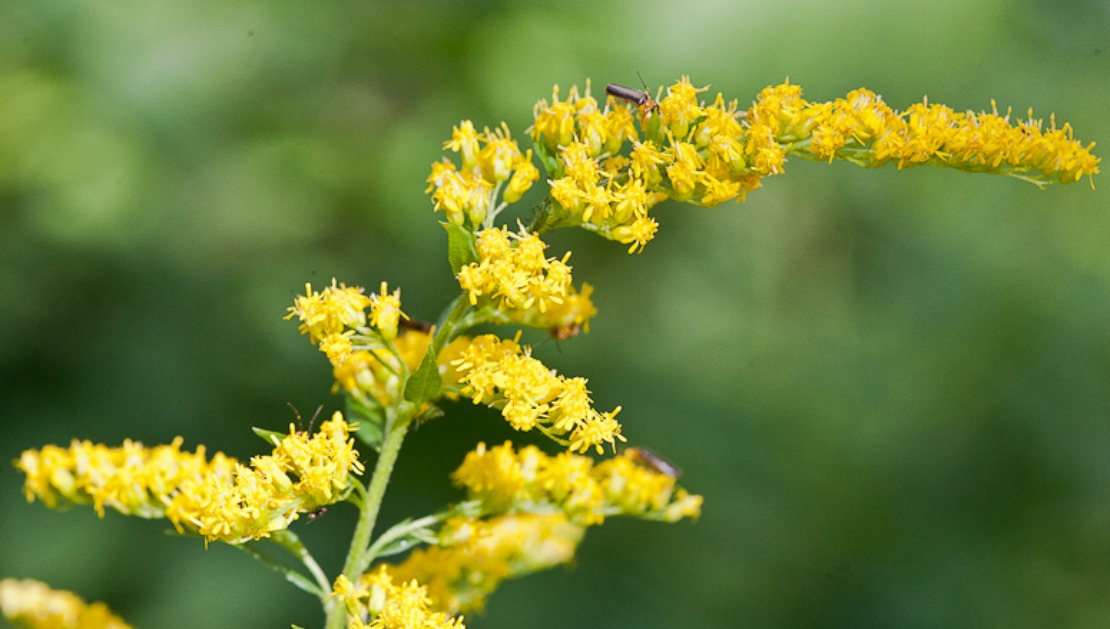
317 514
300 420
652 461
641 97
564 332
416 326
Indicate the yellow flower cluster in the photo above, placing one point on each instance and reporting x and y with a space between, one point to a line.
336 310
685 149
501 373
378 372
563 320
474 556
221 499
131 479
489 160
370 356
248 503
689 152
34 605
377 602
870 132
513 269
509 481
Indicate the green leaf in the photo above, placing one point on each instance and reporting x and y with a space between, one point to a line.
425 382
547 158
269 436
370 421
461 249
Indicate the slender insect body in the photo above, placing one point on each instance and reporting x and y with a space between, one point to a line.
642 98
632 95
652 461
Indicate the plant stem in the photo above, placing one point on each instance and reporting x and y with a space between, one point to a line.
449 325
357 559
397 424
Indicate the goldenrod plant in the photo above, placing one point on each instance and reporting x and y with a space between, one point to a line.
607 166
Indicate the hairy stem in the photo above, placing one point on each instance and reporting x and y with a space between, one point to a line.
360 554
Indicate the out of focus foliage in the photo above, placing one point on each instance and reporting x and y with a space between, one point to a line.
891 387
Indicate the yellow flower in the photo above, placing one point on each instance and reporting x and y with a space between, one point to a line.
330 311
465 141
476 556
508 481
679 108
709 153
377 374
459 195
565 319
351 594
504 375
220 498
131 479
637 234
385 311
936 134
524 176
33 604
500 155
513 269
240 503
489 159
554 124
379 602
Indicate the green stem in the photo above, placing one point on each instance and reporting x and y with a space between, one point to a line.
448 327
357 559
400 417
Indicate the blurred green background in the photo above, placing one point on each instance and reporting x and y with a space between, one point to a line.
891 387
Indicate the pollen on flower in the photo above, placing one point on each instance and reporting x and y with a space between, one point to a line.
563 320
513 269
709 152
501 373
219 498
33 604
505 480
239 503
330 311
131 479
385 311
375 376
381 601
489 159
475 556
871 133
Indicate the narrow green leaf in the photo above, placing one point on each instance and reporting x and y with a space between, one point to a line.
425 382
269 436
547 158
461 249
370 420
